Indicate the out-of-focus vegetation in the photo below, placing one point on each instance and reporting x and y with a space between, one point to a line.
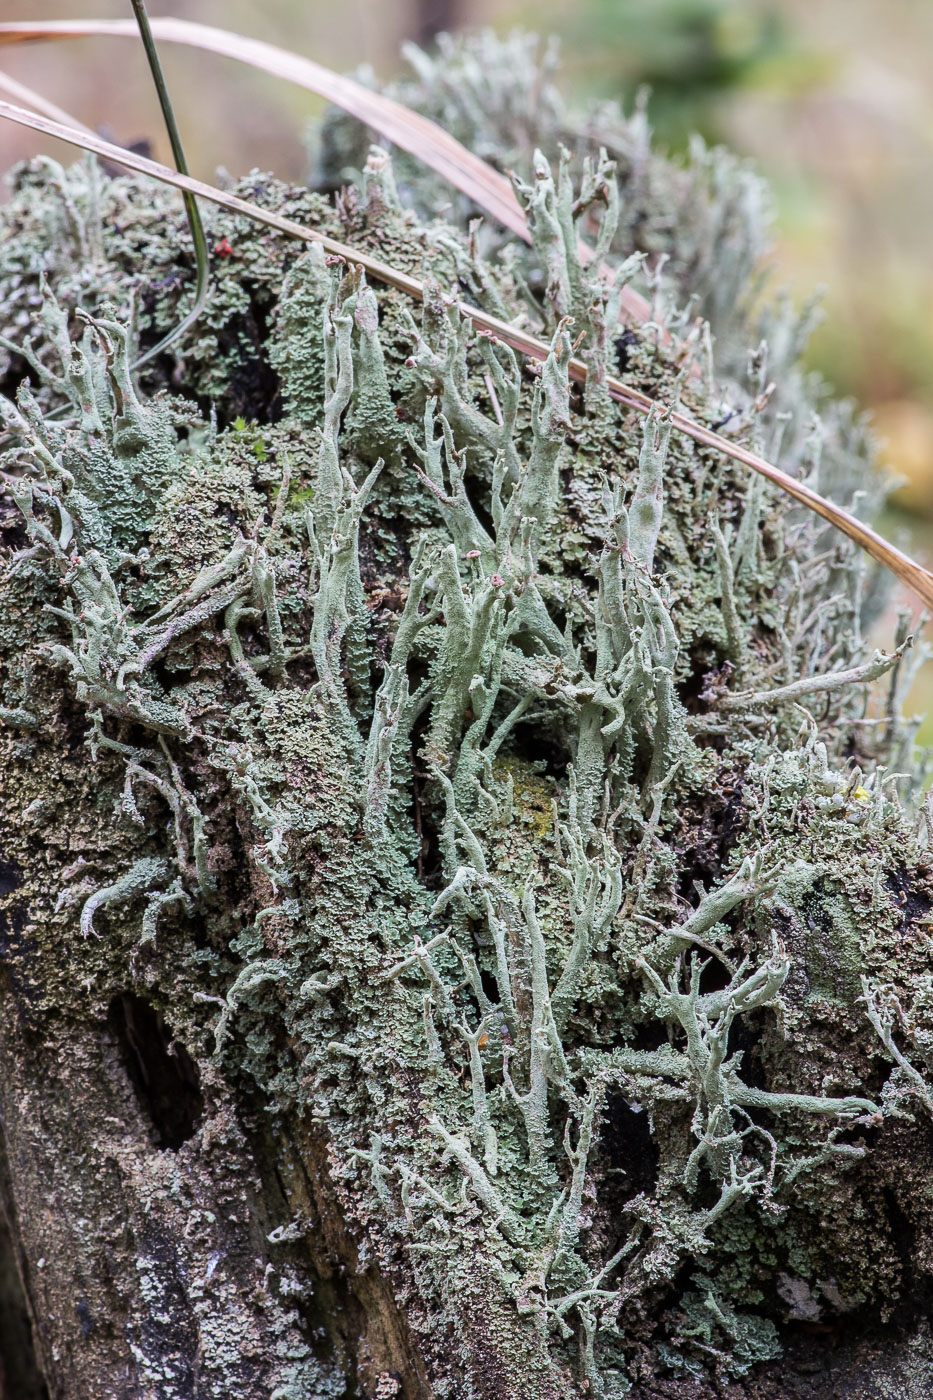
689 54
833 100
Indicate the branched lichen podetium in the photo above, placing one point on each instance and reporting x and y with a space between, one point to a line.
487 785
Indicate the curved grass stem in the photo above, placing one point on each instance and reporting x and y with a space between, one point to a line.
191 205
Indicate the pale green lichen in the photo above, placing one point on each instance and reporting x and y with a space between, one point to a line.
465 781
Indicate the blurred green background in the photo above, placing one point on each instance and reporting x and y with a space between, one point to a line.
832 100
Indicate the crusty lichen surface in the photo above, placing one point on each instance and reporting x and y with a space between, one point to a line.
466 914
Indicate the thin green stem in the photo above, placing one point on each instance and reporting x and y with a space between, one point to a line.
181 165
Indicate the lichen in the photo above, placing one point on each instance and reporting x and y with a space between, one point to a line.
494 786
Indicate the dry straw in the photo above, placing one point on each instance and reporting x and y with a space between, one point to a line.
487 187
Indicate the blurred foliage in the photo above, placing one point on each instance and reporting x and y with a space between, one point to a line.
687 52
833 100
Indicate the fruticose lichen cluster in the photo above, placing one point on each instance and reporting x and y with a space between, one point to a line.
496 792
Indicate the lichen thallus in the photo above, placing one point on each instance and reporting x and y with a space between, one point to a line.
916 578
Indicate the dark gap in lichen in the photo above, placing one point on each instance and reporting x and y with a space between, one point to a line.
807 1339
630 1150
11 876
914 904
254 390
490 986
13 536
623 345
745 1036
713 977
16 374
480 502
164 1077
544 750
18 964
74 723
166 675
706 845
641 758
705 667
429 864
649 1035
226 512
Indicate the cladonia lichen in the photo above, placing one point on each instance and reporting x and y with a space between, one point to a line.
493 790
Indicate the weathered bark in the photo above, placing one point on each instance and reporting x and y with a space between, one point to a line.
443 951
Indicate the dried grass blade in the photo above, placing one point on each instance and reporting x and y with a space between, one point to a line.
131 160
911 574
407 129
28 97
413 132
